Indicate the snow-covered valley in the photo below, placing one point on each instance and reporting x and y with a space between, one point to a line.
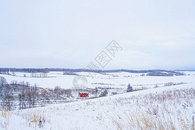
116 80
163 107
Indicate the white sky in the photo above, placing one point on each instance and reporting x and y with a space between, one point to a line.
70 34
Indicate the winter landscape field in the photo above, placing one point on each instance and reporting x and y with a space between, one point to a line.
97 65
156 102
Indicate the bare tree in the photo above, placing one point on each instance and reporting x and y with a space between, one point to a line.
45 71
22 96
8 102
29 99
8 97
34 92
57 91
3 82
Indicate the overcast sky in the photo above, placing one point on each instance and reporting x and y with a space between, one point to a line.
70 34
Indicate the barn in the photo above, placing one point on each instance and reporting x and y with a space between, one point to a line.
83 94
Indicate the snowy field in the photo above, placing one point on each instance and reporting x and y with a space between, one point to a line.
163 107
115 80
160 108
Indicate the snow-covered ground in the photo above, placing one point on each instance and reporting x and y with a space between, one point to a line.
116 80
170 107
160 108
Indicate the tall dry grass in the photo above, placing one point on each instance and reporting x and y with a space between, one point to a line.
168 110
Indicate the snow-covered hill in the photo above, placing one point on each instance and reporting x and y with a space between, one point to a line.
160 108
161 105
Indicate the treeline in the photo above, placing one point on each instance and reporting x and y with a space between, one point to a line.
28 70
22 95
46 70
159 73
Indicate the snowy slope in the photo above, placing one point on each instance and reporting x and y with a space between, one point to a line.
160 108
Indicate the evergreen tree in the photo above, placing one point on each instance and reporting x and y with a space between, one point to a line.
104 93
129 88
